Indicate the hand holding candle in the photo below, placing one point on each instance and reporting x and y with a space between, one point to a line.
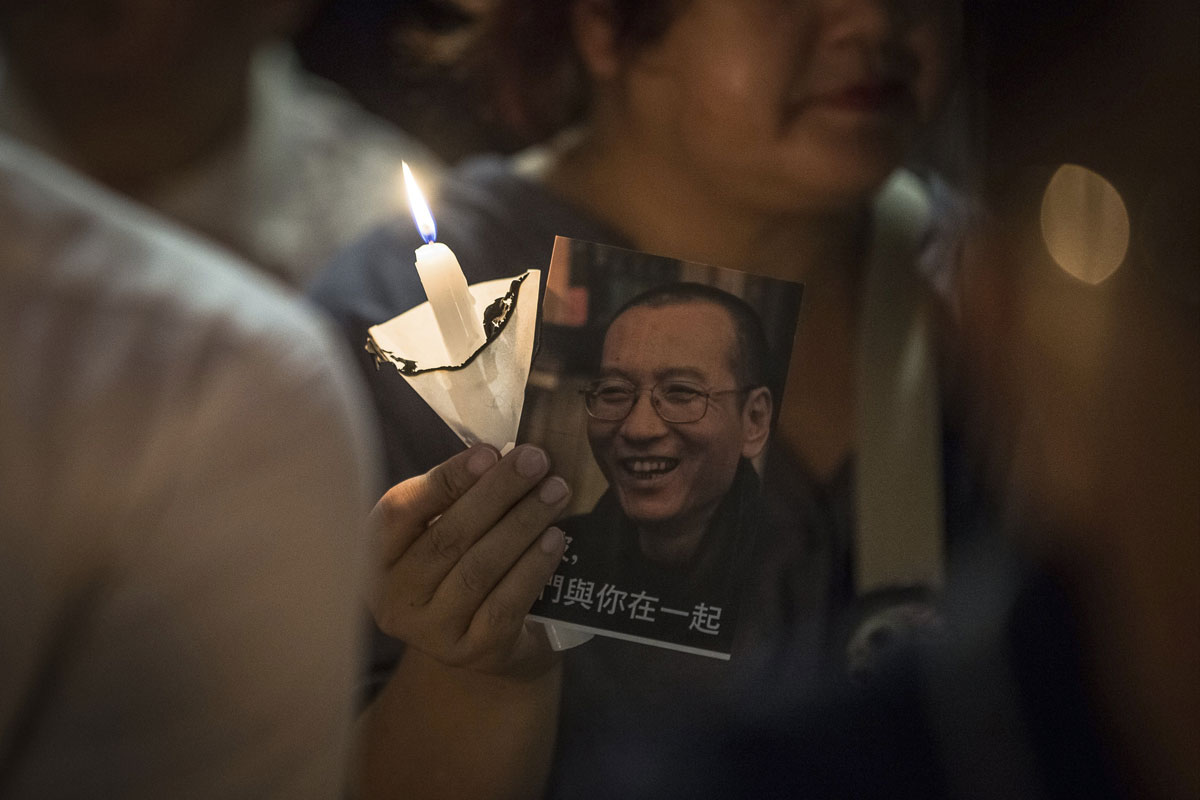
480 401
444 282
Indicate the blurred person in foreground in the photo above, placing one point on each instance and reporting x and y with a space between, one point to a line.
759 135
1094 384
199 109
185 466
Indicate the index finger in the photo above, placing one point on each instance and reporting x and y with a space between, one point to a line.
407 509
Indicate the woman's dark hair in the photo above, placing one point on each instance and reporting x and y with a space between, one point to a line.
523 59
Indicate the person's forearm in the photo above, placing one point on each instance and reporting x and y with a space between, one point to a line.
441 732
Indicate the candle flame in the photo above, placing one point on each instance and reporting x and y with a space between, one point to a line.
420 209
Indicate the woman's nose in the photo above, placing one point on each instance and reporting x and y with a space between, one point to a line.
864 20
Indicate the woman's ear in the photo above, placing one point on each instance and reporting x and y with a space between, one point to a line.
756 421
595 38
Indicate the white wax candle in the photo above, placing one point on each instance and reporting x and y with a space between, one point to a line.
453 308
444 282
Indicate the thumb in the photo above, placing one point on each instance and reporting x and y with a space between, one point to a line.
407 509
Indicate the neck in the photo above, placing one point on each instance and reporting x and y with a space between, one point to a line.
678 214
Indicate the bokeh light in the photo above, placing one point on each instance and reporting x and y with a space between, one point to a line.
1084 223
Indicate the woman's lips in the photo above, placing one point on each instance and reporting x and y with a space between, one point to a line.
865 97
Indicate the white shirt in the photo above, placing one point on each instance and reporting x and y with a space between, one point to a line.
185 467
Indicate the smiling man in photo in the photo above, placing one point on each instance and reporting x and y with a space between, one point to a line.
680 406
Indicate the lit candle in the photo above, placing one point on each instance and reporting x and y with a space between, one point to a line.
444 282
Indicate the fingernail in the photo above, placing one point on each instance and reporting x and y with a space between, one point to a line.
551 541
531 462
481 461
553 490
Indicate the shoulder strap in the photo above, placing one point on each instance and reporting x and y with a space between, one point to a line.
899 494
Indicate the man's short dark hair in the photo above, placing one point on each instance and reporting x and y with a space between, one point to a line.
751 361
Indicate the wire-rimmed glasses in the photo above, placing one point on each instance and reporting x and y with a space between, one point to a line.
674 401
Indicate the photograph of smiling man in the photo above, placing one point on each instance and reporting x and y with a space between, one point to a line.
656 384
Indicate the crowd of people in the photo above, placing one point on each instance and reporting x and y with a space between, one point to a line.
963 528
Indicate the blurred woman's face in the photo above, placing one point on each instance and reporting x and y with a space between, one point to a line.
792 104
